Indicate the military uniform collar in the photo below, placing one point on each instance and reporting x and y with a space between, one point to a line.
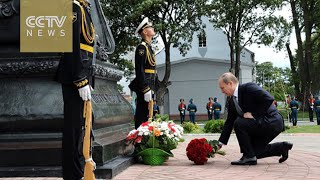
145 41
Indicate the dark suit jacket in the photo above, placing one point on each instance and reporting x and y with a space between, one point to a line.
252 98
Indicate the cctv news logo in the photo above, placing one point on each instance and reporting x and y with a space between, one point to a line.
40 26
46 26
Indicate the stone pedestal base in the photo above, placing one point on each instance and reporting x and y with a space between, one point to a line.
31 121
107 171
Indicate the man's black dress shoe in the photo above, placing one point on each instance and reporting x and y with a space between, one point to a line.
245 161
285 152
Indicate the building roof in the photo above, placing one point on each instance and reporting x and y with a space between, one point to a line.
203 60
216 47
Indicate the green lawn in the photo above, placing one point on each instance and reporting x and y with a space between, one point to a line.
293 129
303 116
304 129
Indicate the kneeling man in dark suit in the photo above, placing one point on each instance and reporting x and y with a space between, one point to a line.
255 120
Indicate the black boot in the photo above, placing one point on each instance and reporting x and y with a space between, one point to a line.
285 151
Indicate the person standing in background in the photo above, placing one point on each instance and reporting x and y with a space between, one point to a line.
311 101
294 105
288 101
192 108
317 109
209 108
155 108
182 110
275 103
216 108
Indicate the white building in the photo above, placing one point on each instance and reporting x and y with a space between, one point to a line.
196 74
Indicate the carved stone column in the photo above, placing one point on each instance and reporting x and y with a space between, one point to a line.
31 105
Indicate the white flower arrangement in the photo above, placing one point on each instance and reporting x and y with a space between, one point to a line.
160 134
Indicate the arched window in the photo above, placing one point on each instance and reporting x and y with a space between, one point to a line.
202 39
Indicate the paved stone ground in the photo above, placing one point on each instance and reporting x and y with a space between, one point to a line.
303 163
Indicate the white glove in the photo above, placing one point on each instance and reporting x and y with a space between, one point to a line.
147 96
85 92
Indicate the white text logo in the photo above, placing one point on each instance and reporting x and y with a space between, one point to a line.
51 23
41 21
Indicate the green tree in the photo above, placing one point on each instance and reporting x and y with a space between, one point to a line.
275 80
174 20
282 84
120 88
122 28
264 73
248 21
316 60
305 20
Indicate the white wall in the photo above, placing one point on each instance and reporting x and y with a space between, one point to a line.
246 74
197 79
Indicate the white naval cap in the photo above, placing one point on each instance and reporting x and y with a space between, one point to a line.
144 24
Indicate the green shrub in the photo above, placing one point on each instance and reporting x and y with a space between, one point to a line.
214 126
164 117
286 127
189 127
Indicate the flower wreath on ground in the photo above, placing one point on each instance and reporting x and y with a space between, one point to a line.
159 134
199 150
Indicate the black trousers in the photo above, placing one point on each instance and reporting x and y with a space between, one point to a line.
311 114
290 116
182 116
142 111
254 137
294 116
216 115
72 158
209 115
318 116
192 118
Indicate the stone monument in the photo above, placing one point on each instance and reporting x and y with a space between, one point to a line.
31 105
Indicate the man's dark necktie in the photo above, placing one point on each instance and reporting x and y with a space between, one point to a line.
238 108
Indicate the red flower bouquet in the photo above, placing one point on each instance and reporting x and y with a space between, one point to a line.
199 150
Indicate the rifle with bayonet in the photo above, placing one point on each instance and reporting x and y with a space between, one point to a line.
90 165
150 107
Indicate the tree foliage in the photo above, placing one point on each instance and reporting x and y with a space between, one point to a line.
305 63
248 21
278 81
316 62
